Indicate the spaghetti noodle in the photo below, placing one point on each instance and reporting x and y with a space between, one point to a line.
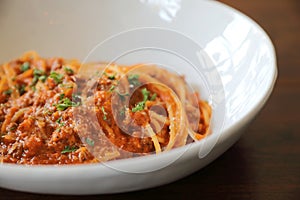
53 112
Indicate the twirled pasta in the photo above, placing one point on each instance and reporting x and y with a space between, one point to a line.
57 111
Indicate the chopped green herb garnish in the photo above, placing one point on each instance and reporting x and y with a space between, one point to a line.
37 73
43 78
21 89
104 113
69 71
59 121
7 92
25 66
65 103
61 96
33 88
134 79
141 105
56 77
34 80
111 77
112 88
153 97
69 149
146 94
90 142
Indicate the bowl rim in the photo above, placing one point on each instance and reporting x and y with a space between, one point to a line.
228 132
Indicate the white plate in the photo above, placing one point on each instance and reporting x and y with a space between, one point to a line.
233 56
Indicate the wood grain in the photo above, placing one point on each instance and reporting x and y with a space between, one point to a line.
265 163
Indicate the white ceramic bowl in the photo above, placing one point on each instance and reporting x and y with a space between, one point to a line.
237 71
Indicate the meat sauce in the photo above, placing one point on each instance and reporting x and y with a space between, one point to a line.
36 116
53 112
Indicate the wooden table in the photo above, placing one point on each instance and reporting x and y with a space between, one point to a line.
265 163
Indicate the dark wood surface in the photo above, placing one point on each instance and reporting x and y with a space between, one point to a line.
265 162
